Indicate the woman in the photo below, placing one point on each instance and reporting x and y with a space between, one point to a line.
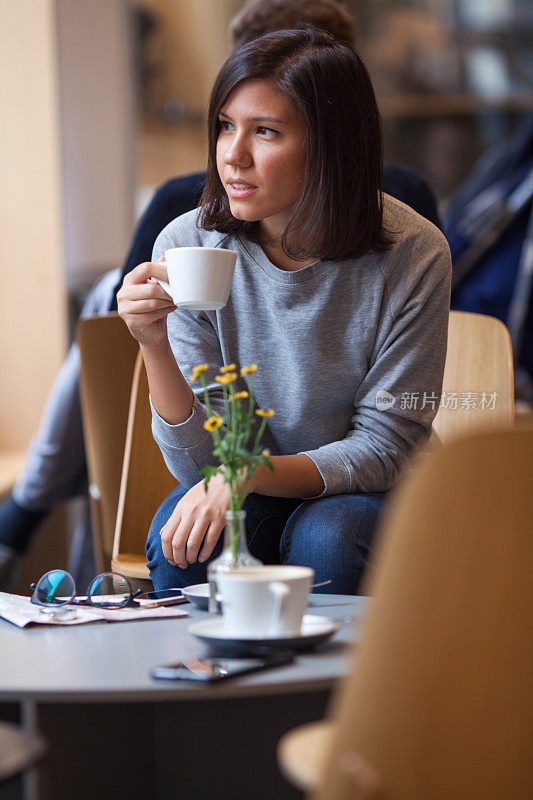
340 294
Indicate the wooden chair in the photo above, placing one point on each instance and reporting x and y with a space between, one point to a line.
145 483
107 352
477 389
439 703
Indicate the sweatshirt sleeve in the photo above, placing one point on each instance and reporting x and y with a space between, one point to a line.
193 337
398 398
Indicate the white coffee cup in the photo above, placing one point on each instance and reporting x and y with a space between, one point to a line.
199 278
265 601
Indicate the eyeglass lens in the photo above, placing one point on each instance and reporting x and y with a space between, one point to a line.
109 590
55 588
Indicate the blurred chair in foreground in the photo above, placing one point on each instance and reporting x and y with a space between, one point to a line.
439 700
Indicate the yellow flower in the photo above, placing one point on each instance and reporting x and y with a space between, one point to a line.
265 453
265 412
197 370
248 370
229 368
241 395
226 378
213 423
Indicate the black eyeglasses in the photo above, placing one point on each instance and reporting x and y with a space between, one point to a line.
107 590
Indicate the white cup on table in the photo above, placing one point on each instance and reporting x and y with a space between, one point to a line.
199 278
267 601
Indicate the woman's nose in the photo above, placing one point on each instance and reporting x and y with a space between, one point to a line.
238 152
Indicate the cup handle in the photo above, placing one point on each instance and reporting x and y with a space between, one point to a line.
281 592
165 285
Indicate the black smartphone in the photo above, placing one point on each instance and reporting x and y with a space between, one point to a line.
163 594
213 669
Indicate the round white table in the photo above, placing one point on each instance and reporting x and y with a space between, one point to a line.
115 732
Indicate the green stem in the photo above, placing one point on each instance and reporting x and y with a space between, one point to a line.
216 437
260 432
226 399
232 402
250 415
251 396
246 485
234 506
206 395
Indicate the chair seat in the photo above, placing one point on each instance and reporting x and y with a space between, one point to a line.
131 564
18 751
302 753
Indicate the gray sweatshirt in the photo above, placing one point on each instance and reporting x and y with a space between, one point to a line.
350 353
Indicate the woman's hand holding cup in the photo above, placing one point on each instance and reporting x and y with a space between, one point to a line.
144 305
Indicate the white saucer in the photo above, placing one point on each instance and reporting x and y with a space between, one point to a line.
198 593
315 629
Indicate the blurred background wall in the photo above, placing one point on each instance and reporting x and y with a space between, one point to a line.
32 302
452 77
186 42
67 149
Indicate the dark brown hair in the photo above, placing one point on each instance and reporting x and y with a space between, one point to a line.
339 212
258 17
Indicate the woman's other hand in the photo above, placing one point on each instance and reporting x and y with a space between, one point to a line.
144 305
194 527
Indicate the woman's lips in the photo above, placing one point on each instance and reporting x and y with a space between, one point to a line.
239 189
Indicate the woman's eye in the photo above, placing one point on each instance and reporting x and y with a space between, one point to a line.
225 125
266 131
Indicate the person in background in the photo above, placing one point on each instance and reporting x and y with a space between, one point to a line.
489 225
55 469
340 292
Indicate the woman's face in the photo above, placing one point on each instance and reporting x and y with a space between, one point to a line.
261 155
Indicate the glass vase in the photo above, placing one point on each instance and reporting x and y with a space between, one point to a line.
234 554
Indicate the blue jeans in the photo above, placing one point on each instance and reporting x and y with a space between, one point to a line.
333 535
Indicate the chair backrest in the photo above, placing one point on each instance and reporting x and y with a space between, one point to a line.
145 483
107 352
477 389
439 702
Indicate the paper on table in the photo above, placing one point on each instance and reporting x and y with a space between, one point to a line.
22 612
